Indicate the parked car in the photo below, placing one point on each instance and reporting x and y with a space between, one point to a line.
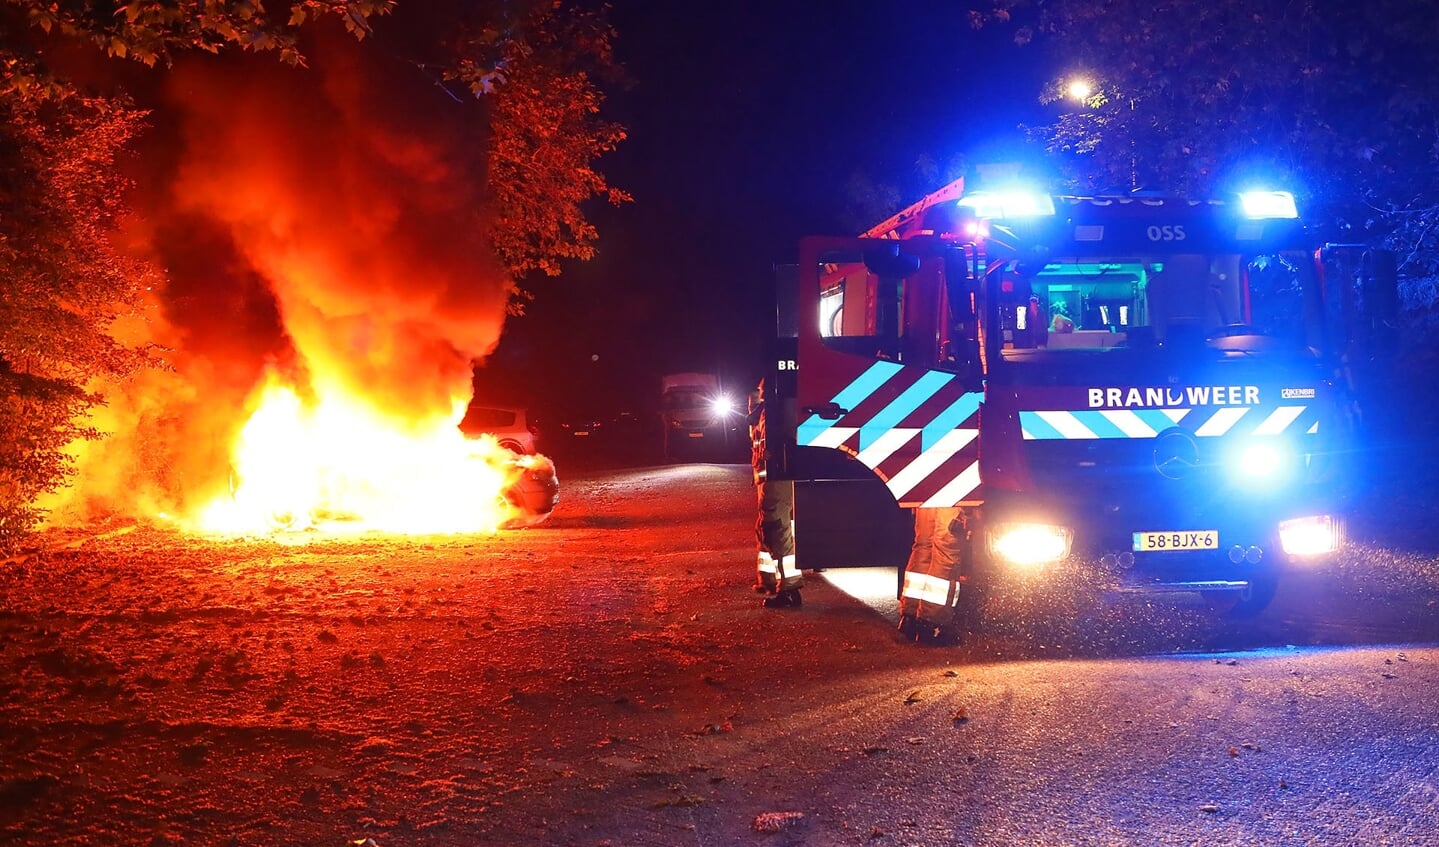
508 424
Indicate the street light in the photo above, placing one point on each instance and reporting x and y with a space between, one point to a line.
1080 89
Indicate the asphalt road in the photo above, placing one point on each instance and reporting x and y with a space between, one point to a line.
608 678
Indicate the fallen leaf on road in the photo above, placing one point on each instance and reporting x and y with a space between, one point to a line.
961 716
776 821
1234 751
1209 807
912 697
951 673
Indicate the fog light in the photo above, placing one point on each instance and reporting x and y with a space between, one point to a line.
1253 555
1029 545
1311 536
1236 554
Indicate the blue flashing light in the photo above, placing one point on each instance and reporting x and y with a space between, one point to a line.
1009 205
1268 205
1263 462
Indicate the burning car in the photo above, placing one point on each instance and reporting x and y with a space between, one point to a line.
340 466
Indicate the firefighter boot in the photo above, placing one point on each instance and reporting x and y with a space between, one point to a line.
786 599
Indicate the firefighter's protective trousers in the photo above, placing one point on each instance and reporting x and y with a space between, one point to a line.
774 535
931 579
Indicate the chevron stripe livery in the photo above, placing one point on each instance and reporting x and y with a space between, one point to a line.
917 429
1148 423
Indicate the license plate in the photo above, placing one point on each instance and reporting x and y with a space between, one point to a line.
1183 539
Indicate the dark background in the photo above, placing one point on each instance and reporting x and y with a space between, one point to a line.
746 121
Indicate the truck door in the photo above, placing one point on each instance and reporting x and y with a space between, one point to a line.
881 407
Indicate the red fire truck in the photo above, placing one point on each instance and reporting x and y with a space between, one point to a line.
1157 386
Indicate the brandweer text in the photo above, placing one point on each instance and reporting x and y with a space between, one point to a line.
1158 398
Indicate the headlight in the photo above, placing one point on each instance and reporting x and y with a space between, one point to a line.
722 406
1030 544
1311 536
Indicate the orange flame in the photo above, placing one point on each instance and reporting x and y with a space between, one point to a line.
337 465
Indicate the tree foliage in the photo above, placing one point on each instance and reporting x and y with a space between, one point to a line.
1336 99
546 130
63 282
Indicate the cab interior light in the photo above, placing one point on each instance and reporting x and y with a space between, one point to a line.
1310 536
1030 544
1268 205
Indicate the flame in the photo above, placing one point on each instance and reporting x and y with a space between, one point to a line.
337 464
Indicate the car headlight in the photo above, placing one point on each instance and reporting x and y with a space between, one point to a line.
1310 536
1030 544
722 407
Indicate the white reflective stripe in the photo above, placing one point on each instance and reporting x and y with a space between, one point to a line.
1222 421
1129 423
1313 429
1280 420
884 446
787 566
1066 424
930 589
957 489
917 471
767 564
833 437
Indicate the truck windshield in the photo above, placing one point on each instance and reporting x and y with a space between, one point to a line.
1103 301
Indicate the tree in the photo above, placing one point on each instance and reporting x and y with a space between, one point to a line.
63 282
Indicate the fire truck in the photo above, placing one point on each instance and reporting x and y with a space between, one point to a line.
1160 388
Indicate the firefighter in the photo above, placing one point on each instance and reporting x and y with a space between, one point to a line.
774 533
929 599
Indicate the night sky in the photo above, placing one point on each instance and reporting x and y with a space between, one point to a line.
746 121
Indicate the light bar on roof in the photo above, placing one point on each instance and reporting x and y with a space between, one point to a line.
1001 205
1268 205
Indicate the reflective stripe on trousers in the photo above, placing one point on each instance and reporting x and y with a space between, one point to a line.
778 573
930 589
